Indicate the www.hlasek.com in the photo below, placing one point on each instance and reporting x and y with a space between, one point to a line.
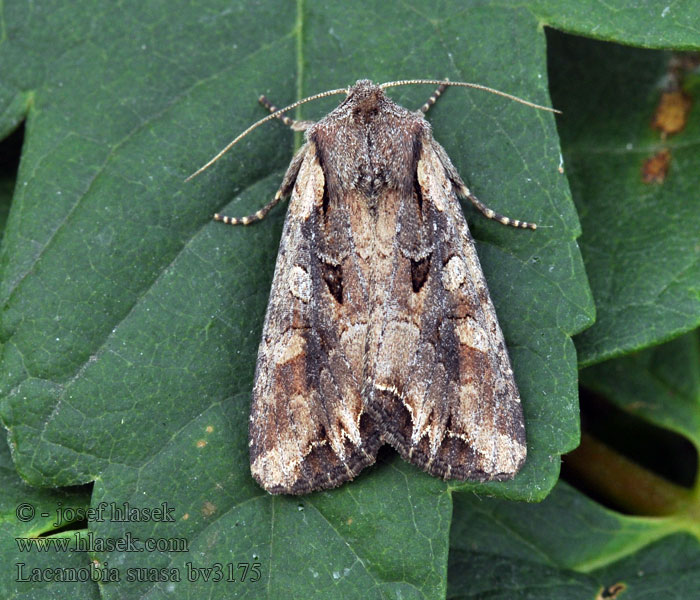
89 542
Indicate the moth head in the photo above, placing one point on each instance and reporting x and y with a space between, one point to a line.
365 98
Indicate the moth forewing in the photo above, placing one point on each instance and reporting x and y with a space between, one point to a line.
487 426
305 426
379 328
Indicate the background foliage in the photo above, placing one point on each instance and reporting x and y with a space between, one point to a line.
130 321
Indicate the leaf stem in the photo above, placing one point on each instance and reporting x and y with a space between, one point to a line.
629 485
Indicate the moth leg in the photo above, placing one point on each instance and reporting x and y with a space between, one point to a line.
284 190
463 191
434 98
492 214
255 217
291 123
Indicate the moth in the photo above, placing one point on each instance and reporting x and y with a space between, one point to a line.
379 328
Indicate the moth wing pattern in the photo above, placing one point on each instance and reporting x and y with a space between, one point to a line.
450 405
307 426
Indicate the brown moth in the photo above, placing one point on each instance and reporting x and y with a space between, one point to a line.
379 328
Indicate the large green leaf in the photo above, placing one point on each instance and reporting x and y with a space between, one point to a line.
640 240
567 547
131 321
660 385
646 23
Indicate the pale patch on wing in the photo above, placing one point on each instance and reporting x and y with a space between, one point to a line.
300 283
454 273
472 334
290 345
308 188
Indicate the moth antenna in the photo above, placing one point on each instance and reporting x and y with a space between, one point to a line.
477 86
263 120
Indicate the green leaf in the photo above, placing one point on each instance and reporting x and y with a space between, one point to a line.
650 23
634 461
640 240
660 384
566 547
131 321
21 517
